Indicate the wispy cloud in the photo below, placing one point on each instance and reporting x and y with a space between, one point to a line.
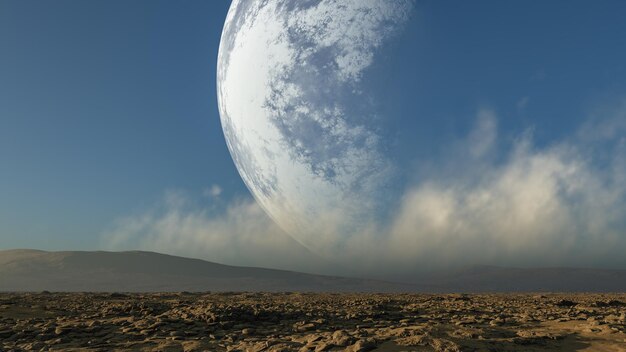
242 234
563 205
483 137
212 192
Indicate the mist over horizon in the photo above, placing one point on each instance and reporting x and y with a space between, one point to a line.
559 206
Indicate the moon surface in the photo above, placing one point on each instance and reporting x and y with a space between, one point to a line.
298 119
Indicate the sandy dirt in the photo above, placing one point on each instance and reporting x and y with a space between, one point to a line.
312 322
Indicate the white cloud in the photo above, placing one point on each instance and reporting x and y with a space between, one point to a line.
564 205
483 137
213 192
241 235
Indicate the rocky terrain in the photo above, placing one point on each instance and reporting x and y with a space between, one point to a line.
311 322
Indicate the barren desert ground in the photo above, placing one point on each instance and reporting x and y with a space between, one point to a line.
312 322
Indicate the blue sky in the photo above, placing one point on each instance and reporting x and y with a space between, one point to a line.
104 106
109 107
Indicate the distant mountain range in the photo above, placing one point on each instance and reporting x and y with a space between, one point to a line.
137 271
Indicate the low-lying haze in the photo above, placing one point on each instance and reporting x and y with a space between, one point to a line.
560 205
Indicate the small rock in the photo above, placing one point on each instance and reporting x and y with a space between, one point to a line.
566 303
117 295
62 330
496 322
304 327
443 345
363 345
323 346
341 338
177 333
615 303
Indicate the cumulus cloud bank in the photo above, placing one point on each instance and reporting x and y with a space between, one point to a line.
558 205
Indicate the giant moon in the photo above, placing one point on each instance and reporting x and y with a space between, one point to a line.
300 122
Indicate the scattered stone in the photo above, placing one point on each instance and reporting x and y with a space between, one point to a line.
62 330
615 303
304 327
566 303
341 338
496 322
117 295
309 322
443 345
366 344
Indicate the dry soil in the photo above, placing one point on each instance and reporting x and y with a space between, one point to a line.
312 322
